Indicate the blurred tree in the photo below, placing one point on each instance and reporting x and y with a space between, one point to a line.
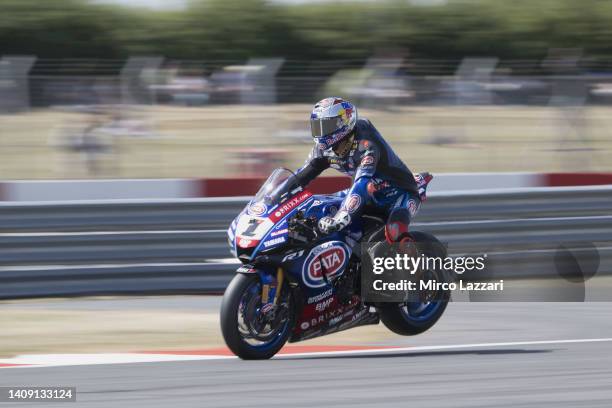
234 30
57 29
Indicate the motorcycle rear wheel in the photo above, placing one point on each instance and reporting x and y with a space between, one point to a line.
412 318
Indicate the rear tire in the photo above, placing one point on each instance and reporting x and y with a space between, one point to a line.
397 316
234 295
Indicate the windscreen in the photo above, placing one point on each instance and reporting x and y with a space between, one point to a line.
274 187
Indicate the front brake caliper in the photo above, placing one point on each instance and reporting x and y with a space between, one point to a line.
268 309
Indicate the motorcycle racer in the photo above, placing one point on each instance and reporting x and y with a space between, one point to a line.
380 179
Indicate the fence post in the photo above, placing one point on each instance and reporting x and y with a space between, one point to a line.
133 88
14 82
261 83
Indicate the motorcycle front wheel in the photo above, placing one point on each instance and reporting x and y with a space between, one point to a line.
250 331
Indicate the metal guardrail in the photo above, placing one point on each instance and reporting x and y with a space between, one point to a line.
165 246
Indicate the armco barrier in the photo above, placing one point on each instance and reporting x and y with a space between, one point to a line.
179 245
82 190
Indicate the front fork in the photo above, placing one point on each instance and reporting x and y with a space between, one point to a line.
268 290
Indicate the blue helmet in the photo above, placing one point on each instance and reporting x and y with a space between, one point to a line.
332 120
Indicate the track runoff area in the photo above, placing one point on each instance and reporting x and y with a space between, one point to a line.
486 354
59 360
465 326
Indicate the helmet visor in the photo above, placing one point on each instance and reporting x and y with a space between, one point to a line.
325 126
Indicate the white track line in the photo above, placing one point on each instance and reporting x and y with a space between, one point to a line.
111 266
102 233
56 360
442 347
512 220
218 231
223 261
60 360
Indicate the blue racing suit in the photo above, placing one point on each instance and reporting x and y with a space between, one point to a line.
380 178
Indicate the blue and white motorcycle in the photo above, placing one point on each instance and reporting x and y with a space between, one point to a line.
296 284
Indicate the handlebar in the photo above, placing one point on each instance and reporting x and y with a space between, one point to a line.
303 229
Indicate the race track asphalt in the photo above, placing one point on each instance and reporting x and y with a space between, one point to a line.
553 373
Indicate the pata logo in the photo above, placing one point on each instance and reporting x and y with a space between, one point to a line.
328 259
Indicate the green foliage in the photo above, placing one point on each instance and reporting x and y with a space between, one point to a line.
238 29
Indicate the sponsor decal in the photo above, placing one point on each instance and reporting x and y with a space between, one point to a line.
367 161
332 315
336 163
412 207
317 320
304 325
326 102
336 320
347 107
377 185
359 315
266 308
320 296
258 209
328 316
293 255
353 203
288 206
274 241
253 225
341 314
279 232
247 243
329 258
321 306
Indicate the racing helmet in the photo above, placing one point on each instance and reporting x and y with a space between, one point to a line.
332 120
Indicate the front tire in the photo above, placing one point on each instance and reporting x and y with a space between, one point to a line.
244 332
411 318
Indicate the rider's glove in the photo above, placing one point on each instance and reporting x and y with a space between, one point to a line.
422 194
327 225
422 179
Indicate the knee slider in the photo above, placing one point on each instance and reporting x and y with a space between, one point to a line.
396 228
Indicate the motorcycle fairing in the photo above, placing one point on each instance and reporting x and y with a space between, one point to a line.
310 269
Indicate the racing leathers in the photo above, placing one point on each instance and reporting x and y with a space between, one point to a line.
380 178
